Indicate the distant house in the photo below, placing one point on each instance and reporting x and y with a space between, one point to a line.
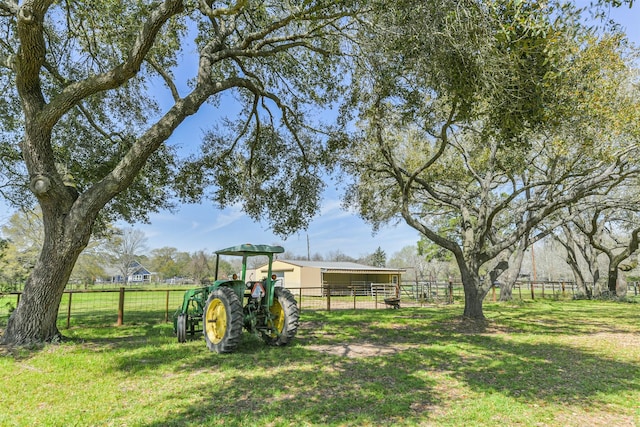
138 274
314 277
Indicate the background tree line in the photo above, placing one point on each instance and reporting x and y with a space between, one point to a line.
119 249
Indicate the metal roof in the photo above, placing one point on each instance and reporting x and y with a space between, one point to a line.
342 267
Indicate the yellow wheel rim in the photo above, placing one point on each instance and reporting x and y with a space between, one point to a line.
216 321
277 313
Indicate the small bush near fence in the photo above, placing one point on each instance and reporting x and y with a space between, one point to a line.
136 305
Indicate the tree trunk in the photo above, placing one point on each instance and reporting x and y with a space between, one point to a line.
577 274
474 293
506 290
34 319
612 281
473 306
511 275
621 285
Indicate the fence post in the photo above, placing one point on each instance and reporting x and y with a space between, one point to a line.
121 307
166 308
355 292
69 310
532 294
328 298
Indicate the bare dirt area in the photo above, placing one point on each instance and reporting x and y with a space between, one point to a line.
357 350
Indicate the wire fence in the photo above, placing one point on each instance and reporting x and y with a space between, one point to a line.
144 305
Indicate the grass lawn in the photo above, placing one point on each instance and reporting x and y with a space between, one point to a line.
543 363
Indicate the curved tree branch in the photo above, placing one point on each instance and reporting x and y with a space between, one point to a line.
74 92
166 77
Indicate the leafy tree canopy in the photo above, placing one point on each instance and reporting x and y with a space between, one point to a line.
106 81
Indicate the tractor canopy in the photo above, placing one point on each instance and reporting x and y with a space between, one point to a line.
245 251
251 250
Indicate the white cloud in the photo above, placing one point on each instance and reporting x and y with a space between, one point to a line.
331 210
226 217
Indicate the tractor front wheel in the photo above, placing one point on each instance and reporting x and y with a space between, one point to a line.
181 327
284 318
222 320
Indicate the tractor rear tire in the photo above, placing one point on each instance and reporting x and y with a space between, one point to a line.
286 317
222 320
181 327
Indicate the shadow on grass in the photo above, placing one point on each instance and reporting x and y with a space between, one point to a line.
97 318
434 355
542 371
566 317
436 358
99 328
296 386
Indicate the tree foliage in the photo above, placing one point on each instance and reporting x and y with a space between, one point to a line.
14 267
168 263
378 258
200 266
124 249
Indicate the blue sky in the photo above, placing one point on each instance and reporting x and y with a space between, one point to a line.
204 227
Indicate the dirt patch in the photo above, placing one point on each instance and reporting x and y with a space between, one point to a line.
595 419
358 350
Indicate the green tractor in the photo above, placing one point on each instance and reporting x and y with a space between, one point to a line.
269 310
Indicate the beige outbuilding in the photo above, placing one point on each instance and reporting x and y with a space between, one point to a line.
313 278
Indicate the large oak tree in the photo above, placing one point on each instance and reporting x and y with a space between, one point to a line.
479 131
92 90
